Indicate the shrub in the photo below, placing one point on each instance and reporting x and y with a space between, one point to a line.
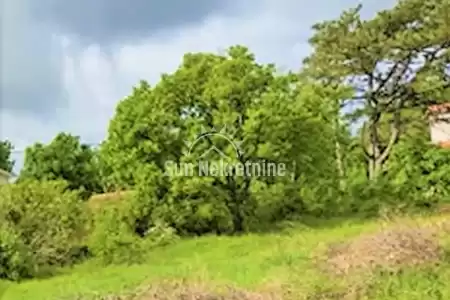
41 223
112 240
15 259
160 235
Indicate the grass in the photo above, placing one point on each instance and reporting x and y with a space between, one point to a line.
251 262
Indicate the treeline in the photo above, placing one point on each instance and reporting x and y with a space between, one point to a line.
382 73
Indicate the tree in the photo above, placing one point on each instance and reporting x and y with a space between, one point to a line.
397 60
6 163
268 117
64 158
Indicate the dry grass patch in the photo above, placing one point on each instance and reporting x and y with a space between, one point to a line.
99 200
390 249
182 290
349 293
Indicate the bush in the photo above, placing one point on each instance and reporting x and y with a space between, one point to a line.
41 223
15 259
112 240
160 235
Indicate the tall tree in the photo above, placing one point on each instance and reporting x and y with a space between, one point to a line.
64 158
397 60
6 163
273 118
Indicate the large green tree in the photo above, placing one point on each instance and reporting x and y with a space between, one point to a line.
6 163
273 118
64 158
395 61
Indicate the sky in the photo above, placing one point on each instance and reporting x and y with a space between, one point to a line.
66 64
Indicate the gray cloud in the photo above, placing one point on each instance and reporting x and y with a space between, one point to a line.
31 50
29 62
64 65
106 21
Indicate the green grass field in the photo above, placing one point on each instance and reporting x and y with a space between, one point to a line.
250 262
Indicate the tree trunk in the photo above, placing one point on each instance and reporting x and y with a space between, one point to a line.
339 160
377 153
374 168
337 147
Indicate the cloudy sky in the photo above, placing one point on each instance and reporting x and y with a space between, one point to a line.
65 64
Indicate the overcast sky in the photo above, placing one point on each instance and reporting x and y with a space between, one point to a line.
65 64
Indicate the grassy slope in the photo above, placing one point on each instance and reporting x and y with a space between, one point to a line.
248 261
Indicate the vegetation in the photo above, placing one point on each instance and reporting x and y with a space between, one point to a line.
64 158
259 263
164 231
6 163
394 61
41 226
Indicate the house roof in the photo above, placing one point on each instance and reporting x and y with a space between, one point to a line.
439 108
444 144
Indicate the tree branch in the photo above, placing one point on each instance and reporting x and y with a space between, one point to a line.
363 142
395 134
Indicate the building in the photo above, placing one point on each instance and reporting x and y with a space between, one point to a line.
5 177
439 116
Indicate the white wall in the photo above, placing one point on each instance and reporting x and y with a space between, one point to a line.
440 130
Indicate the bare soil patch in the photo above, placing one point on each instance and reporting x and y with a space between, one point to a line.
390 250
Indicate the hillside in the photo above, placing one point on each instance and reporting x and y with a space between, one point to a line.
268 263
293 203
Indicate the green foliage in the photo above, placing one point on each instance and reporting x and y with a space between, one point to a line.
5 156
274 118
231 109
397 60
64 158
41 223
424 170
112 241
15 259
160 234
416 177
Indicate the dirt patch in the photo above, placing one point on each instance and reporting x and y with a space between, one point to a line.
190 291
390 250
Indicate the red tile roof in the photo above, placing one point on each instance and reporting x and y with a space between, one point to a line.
445 144
439 108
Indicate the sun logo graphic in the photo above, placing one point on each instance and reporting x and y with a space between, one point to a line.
212 137
221 144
